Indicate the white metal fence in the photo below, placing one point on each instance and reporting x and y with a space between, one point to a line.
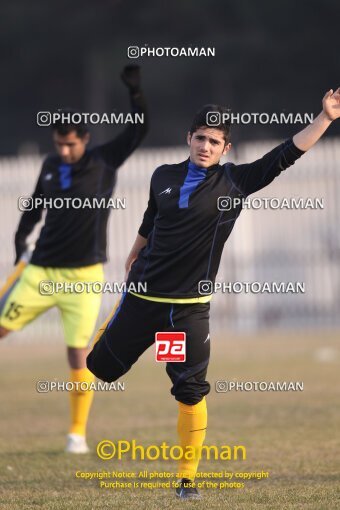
267 245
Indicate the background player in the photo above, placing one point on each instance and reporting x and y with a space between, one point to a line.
72 243
179 244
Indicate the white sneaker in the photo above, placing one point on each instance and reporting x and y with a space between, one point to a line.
76 444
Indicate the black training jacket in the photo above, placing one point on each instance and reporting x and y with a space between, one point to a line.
184 228
76 237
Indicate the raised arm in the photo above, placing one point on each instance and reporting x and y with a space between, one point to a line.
251 177
120 148
306 138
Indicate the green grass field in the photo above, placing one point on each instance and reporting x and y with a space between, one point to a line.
293 435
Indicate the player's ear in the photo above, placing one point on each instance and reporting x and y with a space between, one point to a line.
189 138
227 148
87 138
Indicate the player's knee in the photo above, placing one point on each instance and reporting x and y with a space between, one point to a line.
104 364
3 332
189 384
107 372
77 357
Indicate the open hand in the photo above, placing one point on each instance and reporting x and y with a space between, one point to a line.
331 104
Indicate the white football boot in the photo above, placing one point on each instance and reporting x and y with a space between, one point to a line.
76 444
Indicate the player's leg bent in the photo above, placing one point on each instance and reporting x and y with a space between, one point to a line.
129 332
27 300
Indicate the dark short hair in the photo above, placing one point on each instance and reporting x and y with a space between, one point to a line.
63 126
200 120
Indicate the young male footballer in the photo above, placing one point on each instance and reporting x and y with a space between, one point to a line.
72 243
179 244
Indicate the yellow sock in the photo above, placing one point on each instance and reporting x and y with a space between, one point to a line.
81 400
192 424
